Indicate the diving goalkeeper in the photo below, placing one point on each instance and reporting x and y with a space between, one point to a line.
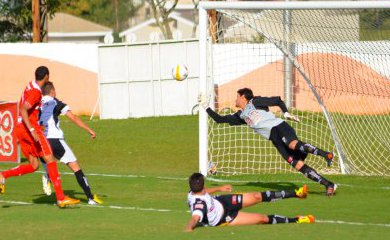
255 113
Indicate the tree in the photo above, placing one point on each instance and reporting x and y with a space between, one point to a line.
111 13
161 12
16 20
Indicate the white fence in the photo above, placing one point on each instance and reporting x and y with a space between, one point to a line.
135 79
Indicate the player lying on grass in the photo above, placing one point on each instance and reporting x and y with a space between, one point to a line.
32 141
51 109
254 111
223 210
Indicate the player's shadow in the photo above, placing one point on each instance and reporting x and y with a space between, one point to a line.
266 185
44 199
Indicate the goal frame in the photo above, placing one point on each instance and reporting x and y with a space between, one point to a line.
263 5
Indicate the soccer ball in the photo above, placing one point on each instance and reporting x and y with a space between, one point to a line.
211 169
180 72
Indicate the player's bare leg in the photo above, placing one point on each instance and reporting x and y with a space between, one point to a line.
20 170
244 218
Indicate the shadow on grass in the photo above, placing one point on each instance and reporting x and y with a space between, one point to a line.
263 185
44 199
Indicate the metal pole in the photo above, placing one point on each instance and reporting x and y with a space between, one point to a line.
288 67
203 128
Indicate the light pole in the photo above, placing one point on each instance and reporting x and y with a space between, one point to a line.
36 26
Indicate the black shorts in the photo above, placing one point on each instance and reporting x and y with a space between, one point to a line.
281 136
232 203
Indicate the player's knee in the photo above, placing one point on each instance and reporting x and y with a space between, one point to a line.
299 165
293 162
257 197
292 144
262 219
35 165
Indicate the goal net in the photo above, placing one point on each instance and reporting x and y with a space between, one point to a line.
329 63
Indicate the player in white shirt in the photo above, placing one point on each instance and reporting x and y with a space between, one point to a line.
208 210
50 111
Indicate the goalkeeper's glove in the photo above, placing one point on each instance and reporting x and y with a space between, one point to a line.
203 101
287 115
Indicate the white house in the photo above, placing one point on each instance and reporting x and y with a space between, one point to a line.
64 27
148 30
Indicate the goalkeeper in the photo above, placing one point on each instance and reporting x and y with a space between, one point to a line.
224 210
255 113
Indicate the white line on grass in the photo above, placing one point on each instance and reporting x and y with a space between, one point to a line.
354 223
170 210
212 179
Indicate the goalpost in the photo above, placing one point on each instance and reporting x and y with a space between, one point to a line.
328 60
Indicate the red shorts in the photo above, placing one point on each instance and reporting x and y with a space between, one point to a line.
29 146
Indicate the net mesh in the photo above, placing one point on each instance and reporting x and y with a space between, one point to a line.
343 54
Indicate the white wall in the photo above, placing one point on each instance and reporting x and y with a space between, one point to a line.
79 55
135 79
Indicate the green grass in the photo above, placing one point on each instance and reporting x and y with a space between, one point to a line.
154 156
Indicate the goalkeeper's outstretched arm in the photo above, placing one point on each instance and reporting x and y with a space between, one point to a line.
265 102
232 119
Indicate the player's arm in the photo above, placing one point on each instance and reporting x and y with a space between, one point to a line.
223 188
231 119
64 109
76 120
192 223
32 99
265 102
24 114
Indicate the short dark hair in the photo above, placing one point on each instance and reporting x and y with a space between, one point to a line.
247 92
196 182
41 72
47 87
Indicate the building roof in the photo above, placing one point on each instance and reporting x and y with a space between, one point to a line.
68 25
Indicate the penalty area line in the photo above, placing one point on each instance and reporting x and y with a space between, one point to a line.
95 206
211 179
353 223
170 210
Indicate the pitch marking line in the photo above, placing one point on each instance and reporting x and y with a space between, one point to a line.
170 210
209 179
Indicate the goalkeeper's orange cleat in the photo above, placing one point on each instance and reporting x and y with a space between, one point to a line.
301 192
329 158
306 219
2 184
67 201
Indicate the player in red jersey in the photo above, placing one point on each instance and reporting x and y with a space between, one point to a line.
32 141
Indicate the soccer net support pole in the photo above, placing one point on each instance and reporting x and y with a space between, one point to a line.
203 125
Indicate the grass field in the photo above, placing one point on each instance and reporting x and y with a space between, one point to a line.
140 167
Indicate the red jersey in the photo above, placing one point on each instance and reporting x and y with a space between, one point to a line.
32 95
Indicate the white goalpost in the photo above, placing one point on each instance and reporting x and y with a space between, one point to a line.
328 60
